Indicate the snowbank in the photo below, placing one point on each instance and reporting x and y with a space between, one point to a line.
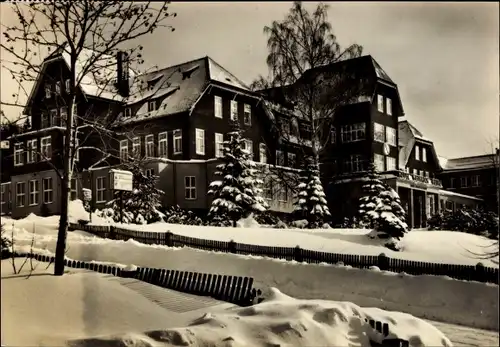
82 305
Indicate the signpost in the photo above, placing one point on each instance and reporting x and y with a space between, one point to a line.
122 181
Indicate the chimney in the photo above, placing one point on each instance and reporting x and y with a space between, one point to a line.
122 72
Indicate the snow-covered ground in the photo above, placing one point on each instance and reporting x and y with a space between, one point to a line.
90 310
431 297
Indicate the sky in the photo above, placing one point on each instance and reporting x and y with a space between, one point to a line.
444 57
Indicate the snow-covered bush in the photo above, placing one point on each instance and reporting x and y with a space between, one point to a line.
5 243
471 221
141 205
267 218
176 215
237 193
311 204
299 224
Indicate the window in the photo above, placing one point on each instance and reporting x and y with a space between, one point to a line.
417 153
200 141
234 110
190 187
18 154
48 195
54 117
292 159
149 172
32 148
128 112
380 103
136 147
77 149
219 145
20 194
45 120
46 147
388 106
152 106
476 181
3 200
280 158
262 153
150 146
415 172
424 154
378 160
74 191
390 135
101 189
427 174
463 182
333 135
419 172
391 163
48 91
247 115
217 106
452 182
248 146
282 191
64 115
123 150
33 197
177 141
354 163
353 132
67 85
163 145
378 132
58 88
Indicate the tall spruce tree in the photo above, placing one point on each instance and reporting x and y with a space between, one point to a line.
238 193
371 190
311 204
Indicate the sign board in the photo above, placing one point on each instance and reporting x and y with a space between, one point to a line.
87 194
121 180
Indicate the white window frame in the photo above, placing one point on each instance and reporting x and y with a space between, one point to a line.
190 188
353 132
247 114
217 106
219 145
249 147
48 91
200 141
280 155
73 193
355 163
123 151
390 163
163 145
424 154
149 144
476 181
33 193
100 189
46 147
390 136
379 162
388 106
48 190
234 110
152 106
463 182
177 141
136 147
292 159
417 153
380 103
20 194
262 153
18 154
379 132
58 88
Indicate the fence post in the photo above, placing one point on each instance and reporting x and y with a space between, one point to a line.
383 262
480 273
232 246
297 254
112 232
168 239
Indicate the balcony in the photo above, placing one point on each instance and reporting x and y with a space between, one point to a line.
405 176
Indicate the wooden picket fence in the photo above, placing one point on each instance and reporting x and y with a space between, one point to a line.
477 272
234 289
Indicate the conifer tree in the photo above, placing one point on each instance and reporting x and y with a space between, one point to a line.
371 189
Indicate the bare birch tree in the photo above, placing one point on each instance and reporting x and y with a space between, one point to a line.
89 34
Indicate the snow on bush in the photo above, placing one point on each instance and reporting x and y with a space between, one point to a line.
237 193
467 220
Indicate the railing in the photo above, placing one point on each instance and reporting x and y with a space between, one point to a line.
412 177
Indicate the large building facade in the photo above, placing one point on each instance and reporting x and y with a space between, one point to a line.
176 126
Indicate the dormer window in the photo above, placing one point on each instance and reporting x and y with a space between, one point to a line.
388 106
188 72
380 103
152 106
128 112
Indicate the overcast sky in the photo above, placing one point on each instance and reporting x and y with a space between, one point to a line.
444 57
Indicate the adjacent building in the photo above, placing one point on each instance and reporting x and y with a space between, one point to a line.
175 119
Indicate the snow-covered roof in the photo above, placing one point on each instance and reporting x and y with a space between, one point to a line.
407 136
468 163
380 72
219 74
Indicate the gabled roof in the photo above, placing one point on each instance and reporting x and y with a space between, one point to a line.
219 74
408 135
468 163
